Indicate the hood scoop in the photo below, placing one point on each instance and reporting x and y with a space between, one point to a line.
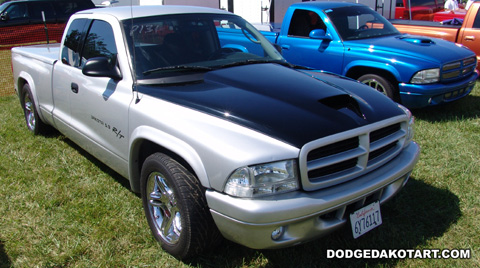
343 102
418 40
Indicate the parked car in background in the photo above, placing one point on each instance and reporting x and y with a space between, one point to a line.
21 21
355 41
428 10
420 9
467 34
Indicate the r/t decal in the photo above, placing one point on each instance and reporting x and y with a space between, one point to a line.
116 131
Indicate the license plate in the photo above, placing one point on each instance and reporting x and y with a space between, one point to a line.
365 219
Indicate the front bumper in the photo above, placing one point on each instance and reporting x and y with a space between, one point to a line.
307 215
419 96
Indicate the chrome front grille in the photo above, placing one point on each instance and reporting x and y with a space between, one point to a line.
458 69
345 156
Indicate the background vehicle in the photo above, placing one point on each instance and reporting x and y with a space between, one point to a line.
420 9
355 41
21 20
467 34
216 139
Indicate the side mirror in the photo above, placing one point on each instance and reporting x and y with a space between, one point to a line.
102 67
278 48
319 34
4 17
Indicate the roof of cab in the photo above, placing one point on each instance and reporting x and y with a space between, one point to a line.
324 5
126 12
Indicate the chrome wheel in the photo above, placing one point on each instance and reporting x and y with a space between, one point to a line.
32 119
176 208
29 112
376 85
163 209
380 84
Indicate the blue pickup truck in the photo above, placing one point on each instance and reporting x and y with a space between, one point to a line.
355 41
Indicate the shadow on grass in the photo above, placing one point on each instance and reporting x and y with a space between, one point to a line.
53 133
419 213
104 168
468 107
4 259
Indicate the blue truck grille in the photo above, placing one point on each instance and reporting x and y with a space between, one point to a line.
345 156
458 69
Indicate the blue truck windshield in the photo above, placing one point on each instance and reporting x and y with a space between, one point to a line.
359 23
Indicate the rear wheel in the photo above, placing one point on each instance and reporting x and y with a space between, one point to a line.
34 123
380 84
176 207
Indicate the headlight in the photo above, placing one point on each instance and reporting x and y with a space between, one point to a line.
410 126
264 179
426 76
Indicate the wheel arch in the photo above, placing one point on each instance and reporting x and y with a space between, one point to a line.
147 141
357 71
23 79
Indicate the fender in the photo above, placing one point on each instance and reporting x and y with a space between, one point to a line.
236 46
373 64
25 76
171 143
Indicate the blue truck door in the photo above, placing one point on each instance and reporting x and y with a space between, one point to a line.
323 53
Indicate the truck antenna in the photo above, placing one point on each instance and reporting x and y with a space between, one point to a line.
134 86
45 26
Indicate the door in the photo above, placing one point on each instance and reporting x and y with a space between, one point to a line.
470 36
98 106
298 48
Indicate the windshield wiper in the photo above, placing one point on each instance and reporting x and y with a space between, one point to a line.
179 68
255 61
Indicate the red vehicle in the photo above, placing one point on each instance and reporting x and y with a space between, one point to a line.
446 15
418 9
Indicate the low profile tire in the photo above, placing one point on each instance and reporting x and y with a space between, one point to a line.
176 208
380 84
34 123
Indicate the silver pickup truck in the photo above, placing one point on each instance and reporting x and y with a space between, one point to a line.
219 141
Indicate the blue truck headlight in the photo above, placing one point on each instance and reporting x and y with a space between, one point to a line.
426 76
265 179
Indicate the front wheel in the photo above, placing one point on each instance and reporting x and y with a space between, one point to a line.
176 207
380 84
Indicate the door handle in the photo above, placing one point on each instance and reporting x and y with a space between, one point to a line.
470 38
74 88
285 46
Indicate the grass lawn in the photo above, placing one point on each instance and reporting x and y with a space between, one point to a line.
60 207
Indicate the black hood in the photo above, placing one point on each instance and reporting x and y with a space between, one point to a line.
292 106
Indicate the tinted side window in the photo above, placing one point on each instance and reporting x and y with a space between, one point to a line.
16 11
36 8
100 42
66 8
426 3
71 46
303 22
476 23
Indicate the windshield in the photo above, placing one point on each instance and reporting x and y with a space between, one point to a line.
3 6
359 22
179 45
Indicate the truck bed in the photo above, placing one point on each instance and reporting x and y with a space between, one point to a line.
37 61
429 28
